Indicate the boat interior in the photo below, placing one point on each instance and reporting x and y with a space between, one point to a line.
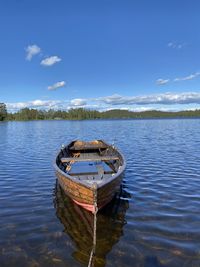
89 161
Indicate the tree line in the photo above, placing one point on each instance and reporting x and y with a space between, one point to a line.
26 114
3 112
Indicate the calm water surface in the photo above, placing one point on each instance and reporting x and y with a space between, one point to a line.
155 221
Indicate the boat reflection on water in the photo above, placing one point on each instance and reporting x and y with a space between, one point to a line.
78 224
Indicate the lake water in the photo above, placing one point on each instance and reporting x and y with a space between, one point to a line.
155 221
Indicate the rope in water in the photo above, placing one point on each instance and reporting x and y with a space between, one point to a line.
93 251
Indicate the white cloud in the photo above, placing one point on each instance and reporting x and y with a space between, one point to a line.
56 85
49 61
162 81
164 99
38 104
31 51
189 77
176 45
140 108
78 102
186 78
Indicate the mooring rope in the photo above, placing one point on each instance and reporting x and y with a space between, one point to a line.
93 251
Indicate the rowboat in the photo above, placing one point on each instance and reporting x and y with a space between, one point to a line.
90 172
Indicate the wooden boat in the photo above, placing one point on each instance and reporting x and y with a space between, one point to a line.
90 173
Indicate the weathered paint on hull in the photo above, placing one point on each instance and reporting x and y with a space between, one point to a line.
84 196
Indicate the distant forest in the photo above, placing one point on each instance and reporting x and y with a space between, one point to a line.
26 114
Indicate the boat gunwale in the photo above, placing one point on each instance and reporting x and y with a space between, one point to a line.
98 185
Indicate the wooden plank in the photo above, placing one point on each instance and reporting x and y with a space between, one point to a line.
95 158
87 147
89 173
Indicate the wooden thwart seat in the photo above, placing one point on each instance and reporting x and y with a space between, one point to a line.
95 158
89 173
88 147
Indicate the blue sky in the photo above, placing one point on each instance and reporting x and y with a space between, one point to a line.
100 54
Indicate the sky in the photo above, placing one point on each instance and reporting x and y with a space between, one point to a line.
100 54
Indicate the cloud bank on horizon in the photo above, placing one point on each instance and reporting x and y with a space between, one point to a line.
137 103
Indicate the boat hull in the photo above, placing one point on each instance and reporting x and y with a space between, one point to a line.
85 197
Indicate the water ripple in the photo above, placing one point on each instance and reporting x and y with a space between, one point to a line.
154 222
